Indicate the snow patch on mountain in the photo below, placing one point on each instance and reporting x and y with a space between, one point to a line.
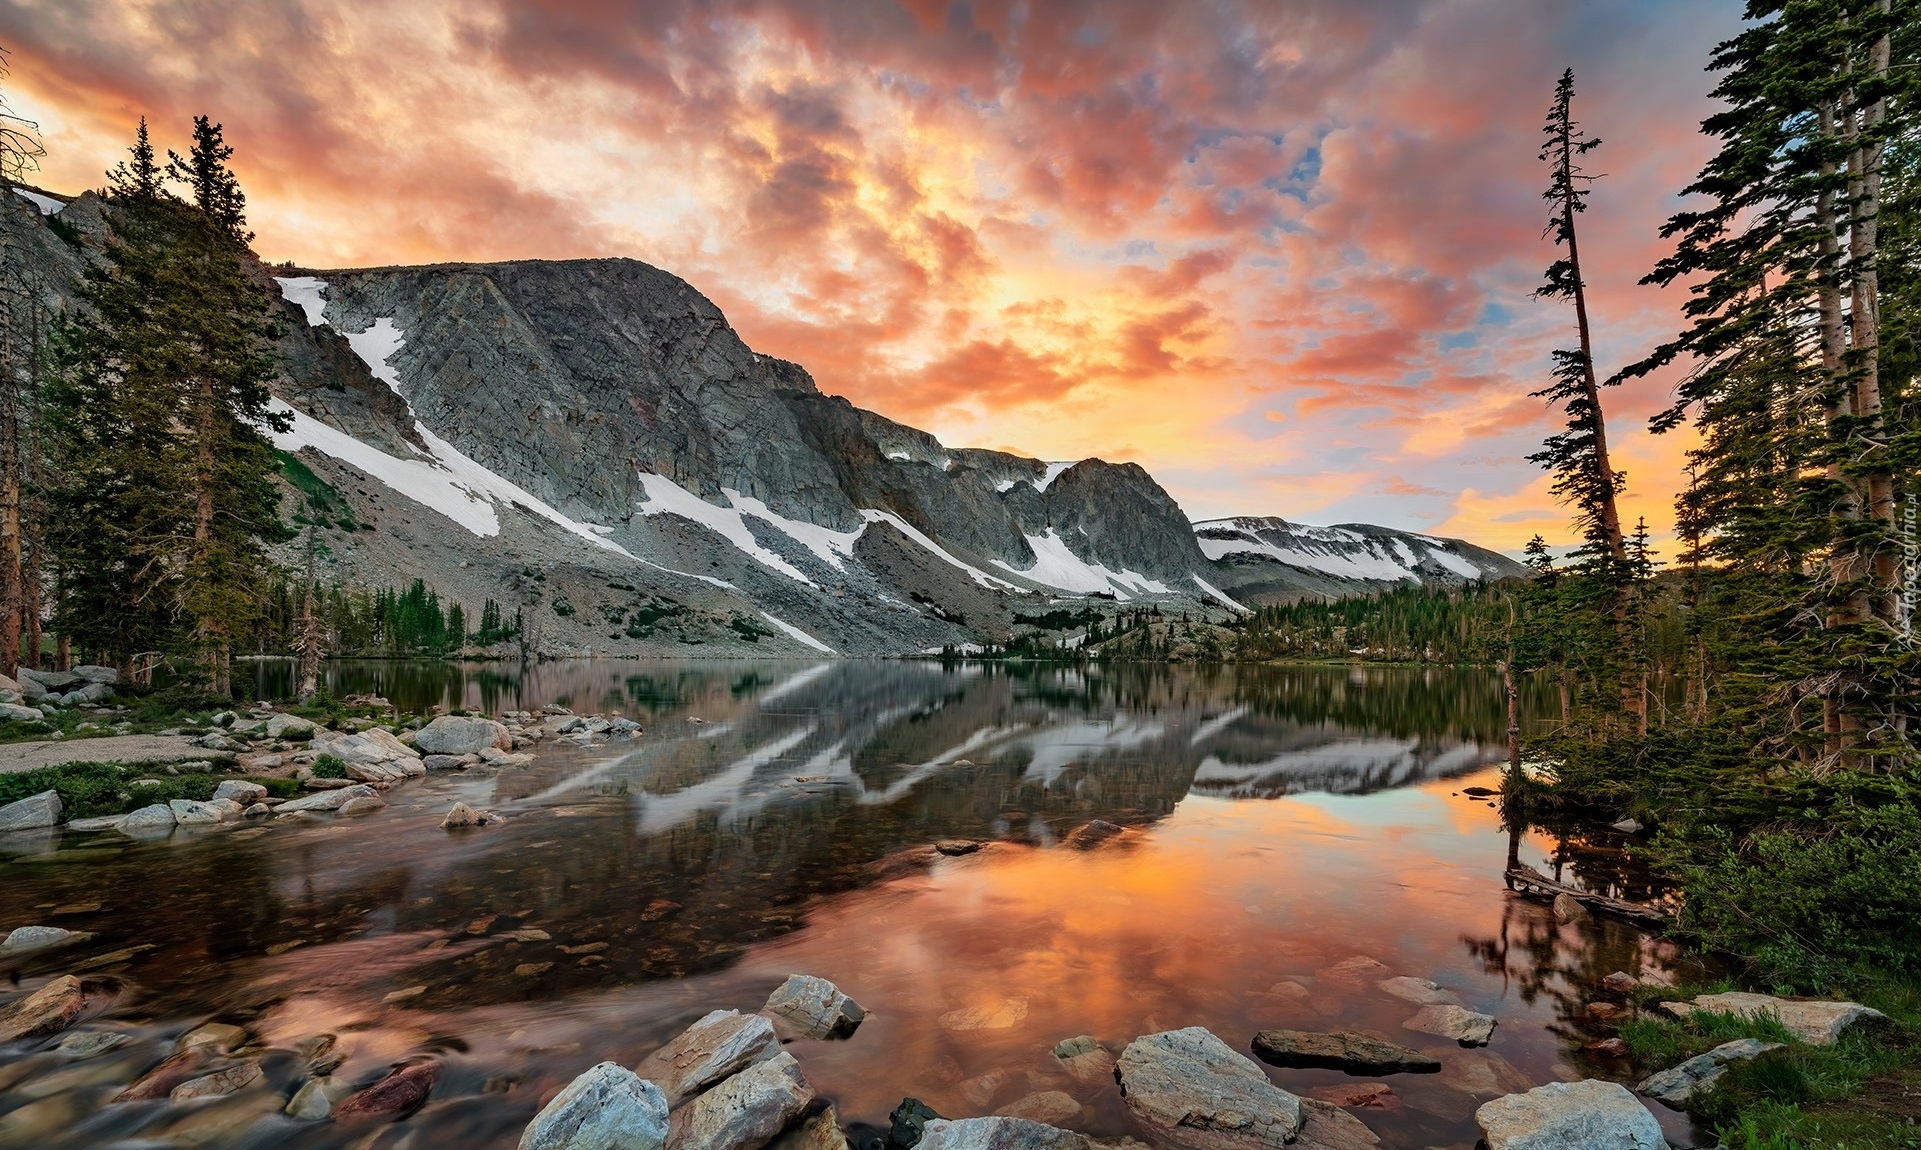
1058 567
1341 552
796 634
47 204
1053 472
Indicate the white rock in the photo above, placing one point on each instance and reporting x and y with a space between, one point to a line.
607 1108
31 813
93 674
289 727
327 800
809 1007
38 938
187 812
1818 1022
316 1098
10 710
240 791
1194 1092
462 735
157 817
1676 1084
998 1134
721 1043
1463 1025
746 1111
1585 1115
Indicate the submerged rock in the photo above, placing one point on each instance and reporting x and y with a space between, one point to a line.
397 1095
1419 991
1817 1022
1085 1060
1000 1014
1340 1050
316 1098
999 1134
54 1007
722 1043
1357 969
1677 1084
808 1007
958 846
1585 1115
607 1108
160 1081
330 800
219 1084
1462 1025
1191 1090
1048 1106
746 1111
1093 834
1325 1126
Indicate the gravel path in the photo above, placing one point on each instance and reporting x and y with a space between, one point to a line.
112 749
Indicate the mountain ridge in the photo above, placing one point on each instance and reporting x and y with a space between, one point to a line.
591 441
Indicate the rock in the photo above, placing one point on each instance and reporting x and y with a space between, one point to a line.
1000 1014
1479 792
809 1007
980 1091
462 735
219 1084
219 742
39 938
1620 982
1419 991
721 1044
1585 1115
820 1132
607 1108
157 817
189 813
1675 1085
1090 835
20 714
257 810
1191 1091
1358 969
399 1094
54 1007
1817 1022
240 791
1611 1047
362 805
1325 1126
331 800
999 1134
746 1111
462 815
31 813
1567 908
84 1044
1464 1026
290 727
447 762
316 1098
1605 1011
91 693
958 846
220 1036
99 823
1050 1106
93 674
1341 1050
907 1123
160 1081
1360 1095
1085 1060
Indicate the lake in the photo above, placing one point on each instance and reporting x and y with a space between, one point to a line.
780 817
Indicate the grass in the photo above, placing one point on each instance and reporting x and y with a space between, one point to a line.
88 790
1862 1093
329 767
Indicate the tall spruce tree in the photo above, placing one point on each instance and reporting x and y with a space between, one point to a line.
165 492
136 178
20 153
1798 468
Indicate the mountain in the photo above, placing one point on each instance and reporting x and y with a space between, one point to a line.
589 440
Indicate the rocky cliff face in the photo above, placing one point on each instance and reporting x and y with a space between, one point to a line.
590 441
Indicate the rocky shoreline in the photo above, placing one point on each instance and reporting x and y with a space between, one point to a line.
343 771
729 1081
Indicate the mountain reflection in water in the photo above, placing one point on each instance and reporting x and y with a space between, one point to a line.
779 817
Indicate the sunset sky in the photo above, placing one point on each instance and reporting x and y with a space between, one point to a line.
1278 253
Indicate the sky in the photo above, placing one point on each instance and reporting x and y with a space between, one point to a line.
1279 253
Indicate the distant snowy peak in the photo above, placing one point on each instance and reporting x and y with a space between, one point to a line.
1350 552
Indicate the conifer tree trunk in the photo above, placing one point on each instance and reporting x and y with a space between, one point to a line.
1864 165
10 489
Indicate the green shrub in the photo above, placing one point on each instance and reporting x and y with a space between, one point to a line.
329 767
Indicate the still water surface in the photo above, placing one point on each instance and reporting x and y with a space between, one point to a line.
778 818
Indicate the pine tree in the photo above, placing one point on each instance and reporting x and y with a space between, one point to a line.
1795 479
136 178
212 185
